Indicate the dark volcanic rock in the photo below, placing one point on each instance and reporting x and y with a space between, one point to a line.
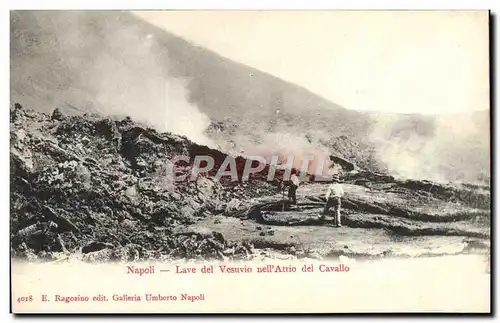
92 177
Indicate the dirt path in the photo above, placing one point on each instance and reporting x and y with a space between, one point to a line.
403 231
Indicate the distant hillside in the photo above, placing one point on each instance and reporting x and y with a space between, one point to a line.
116 64
78 57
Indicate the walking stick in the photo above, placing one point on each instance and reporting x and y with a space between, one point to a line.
283 200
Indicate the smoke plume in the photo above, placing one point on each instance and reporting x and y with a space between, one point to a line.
92 62
442 148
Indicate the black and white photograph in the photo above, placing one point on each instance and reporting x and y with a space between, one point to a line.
183 147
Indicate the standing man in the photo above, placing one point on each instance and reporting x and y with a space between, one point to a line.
294 184
333 198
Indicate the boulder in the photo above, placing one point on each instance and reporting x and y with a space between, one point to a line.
57 115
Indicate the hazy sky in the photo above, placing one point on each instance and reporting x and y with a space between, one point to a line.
399 61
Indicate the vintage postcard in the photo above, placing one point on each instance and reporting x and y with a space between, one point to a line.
250 161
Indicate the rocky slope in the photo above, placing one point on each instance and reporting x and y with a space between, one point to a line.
117 64
382 217
94 185
80 184
96 188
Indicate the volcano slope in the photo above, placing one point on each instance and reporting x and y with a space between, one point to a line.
95 189
382 217
114 62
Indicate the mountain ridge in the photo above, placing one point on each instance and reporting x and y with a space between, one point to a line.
117 64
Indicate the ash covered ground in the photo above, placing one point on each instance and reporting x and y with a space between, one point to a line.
93 188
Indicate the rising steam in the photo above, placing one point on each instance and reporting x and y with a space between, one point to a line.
142 87
93 62
100 61
183 117
444 148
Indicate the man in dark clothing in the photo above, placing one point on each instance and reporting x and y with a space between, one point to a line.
294 184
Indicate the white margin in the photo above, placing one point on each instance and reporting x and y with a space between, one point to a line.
191 5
